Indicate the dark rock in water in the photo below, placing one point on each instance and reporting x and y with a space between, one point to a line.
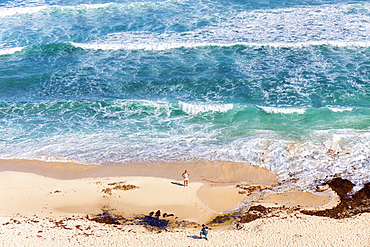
341 186
350 205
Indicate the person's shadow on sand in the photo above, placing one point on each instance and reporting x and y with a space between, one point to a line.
194 237
177 183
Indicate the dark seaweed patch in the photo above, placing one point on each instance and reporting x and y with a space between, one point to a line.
349 205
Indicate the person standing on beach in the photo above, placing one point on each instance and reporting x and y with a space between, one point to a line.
185 176
204 232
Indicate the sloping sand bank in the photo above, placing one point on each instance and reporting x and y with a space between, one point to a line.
65 189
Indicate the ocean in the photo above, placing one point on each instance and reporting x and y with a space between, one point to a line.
278 84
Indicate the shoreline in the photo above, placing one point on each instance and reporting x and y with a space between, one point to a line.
224 172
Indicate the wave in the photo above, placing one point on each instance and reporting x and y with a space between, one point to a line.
248 9
192 75
91 112
8 51
142 46
201 108
102 109
340 109
44 48
138 30
333 43
12 11
168 46
5 12
269 109
161 46
293 110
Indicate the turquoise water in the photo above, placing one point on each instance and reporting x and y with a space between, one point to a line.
281 84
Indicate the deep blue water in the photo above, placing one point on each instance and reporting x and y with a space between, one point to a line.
279 84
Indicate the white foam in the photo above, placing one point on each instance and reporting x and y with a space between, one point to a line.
199 108
331 25
311 161
156 104
24 10
166 45
333 43
280 28
270 109
92 6
142 46
8 51
339 109
4 12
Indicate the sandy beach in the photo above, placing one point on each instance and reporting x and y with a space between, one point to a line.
279 231
54 204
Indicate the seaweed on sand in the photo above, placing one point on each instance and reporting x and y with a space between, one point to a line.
259 211
107 218
350 204
222 220
119 186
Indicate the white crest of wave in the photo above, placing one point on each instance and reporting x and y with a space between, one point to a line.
339 109
10 11
8 51
4 12
199 108
270 109
333 43
166 45
153 46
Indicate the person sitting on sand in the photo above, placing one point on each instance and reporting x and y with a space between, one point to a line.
204 232
185 176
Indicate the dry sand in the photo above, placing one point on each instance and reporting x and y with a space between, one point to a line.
289 231
46 204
